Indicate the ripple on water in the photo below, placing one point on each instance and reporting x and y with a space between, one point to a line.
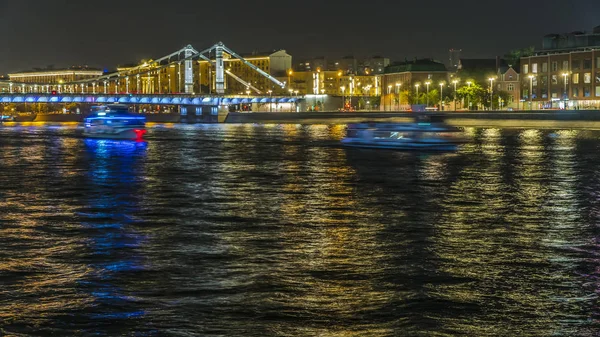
249 230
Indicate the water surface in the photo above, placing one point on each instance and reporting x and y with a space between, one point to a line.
276 230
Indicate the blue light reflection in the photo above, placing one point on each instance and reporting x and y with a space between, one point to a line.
116 170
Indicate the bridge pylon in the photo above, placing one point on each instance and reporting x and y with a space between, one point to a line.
219 69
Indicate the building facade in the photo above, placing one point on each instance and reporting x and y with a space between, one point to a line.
411 76
565 73
55 76
334 83
509 81
568 79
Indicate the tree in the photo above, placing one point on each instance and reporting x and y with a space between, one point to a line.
434 97
375 101
513 57
10 108
473 94
361 103
71 107
501 97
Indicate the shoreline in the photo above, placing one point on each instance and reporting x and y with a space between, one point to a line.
588 119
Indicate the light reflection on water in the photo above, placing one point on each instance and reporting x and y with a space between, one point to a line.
276 230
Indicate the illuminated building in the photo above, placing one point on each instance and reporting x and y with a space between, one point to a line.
335 83
52 76
564 73
569 76
509 81
373 66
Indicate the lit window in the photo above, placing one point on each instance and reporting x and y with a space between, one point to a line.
575 78
587 78
526 69
534 68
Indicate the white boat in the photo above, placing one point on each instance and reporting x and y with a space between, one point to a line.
114 122
421 135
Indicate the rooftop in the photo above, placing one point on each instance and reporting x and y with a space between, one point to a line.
52 69
418 65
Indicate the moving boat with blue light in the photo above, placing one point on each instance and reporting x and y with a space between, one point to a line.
114 121
427 133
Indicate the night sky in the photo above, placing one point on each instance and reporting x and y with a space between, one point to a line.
107 33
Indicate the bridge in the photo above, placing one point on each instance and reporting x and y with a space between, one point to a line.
153 83
155 99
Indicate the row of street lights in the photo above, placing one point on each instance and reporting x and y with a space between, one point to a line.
427 84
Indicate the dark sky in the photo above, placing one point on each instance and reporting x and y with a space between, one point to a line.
105 33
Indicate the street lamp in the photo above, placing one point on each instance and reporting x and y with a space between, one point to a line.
417 86
398 85
455 82
442 95
566 93
270 100
531 92
491 93
248 94
427 84
469 96
389 92
296 100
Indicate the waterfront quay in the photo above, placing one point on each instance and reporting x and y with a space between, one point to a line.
581 119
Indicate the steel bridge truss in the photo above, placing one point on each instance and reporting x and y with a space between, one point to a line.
184 56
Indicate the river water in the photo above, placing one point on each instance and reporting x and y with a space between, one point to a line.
276 230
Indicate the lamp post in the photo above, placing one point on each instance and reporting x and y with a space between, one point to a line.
249 102
270 100
455 82
389 94
398 85
469 96
491 93
442 95
417 86
566 93
296 101
427 84
531 92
